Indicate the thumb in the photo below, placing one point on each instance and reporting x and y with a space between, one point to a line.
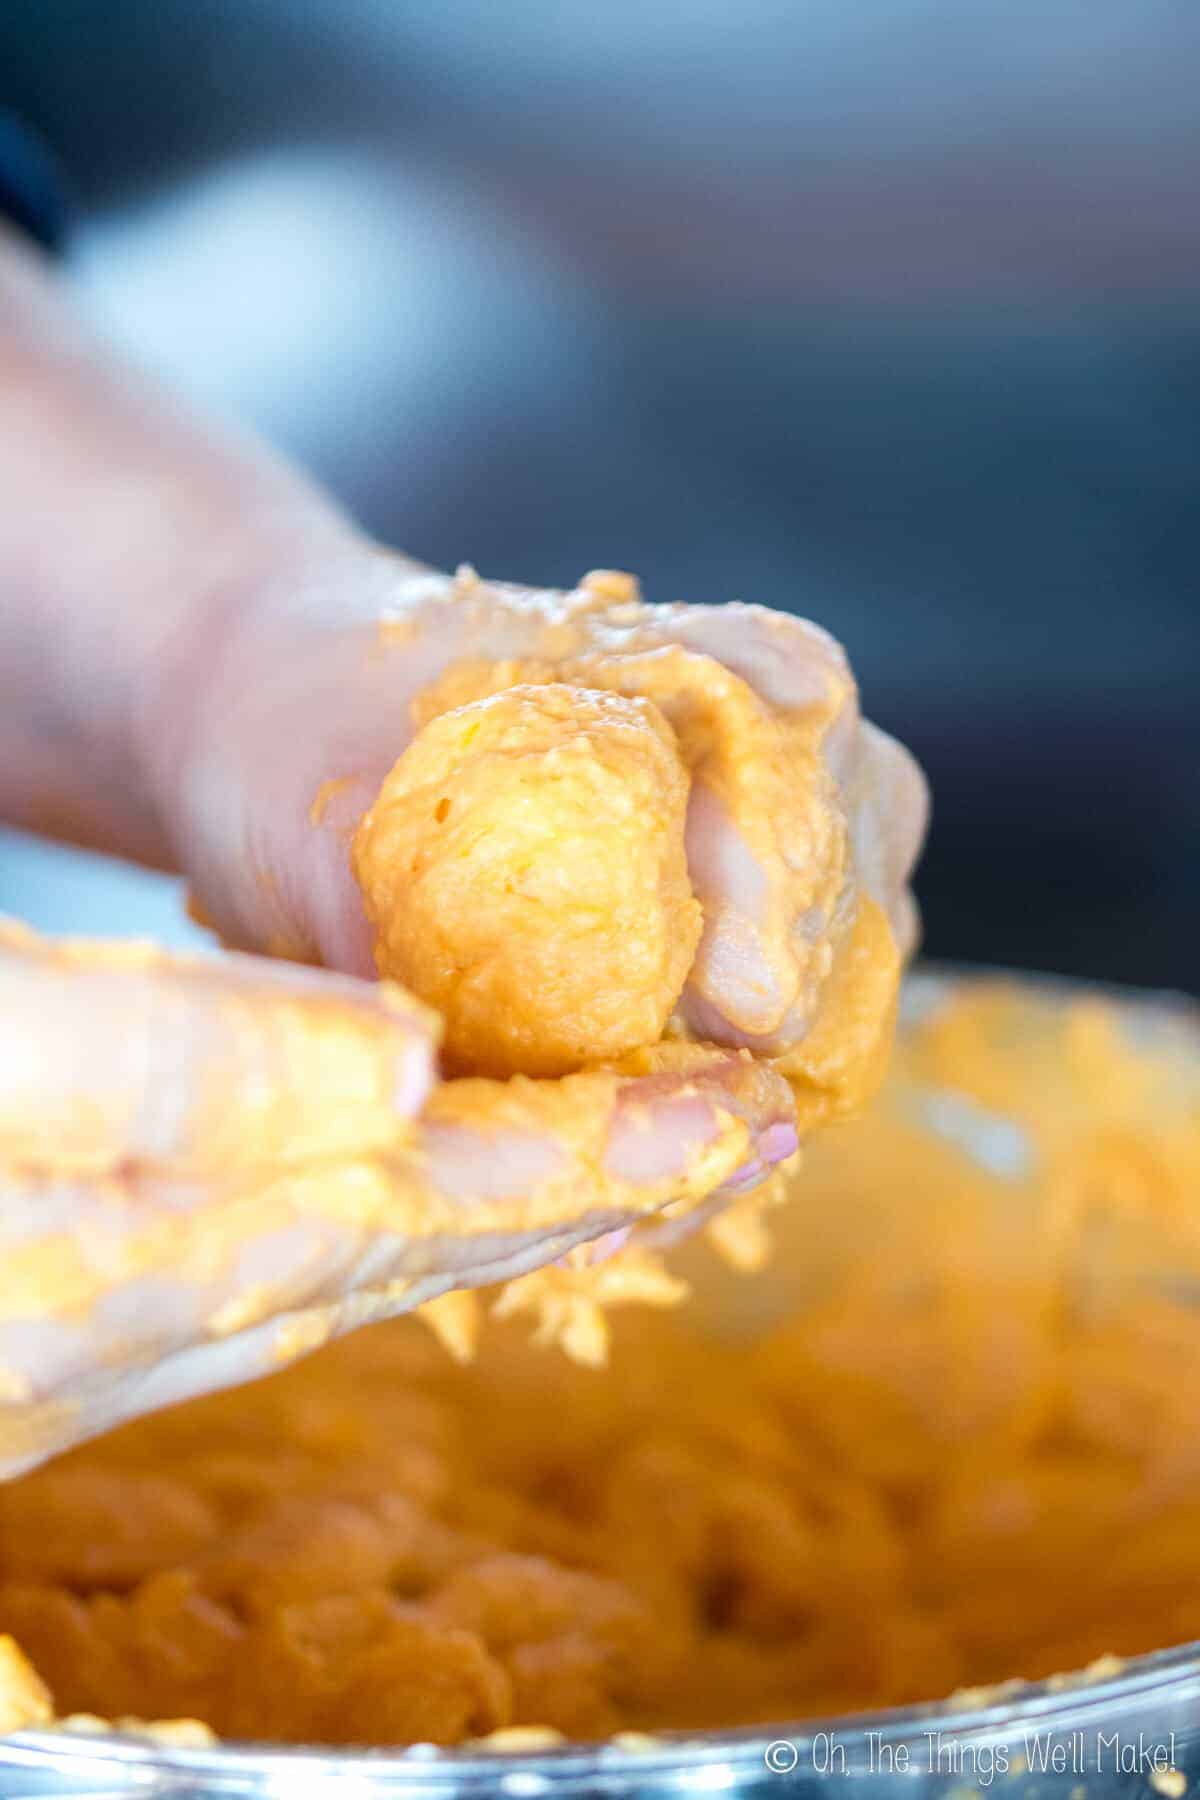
269 742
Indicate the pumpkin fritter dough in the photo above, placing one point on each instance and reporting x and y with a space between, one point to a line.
524 865
830 1507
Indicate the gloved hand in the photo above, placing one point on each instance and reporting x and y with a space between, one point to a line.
209 1167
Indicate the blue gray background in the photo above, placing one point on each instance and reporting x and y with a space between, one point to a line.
884 313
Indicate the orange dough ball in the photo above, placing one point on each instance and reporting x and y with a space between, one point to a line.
524 868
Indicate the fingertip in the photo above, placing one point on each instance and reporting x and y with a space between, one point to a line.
655 1137
667 1124
415 1069
777 1142
325 895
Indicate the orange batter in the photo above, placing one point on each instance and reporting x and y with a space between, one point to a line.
951 1434
524 864
619 823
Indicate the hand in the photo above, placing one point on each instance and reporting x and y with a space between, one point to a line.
211 1167
266 768
193 645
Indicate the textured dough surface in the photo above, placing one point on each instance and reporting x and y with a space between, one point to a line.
524 865
829 1508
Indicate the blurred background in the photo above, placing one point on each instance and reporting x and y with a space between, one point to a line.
889 315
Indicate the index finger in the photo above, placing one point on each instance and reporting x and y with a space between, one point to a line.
114 1055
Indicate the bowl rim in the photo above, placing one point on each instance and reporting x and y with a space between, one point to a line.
984 1716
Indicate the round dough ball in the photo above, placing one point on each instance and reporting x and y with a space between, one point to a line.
524 868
